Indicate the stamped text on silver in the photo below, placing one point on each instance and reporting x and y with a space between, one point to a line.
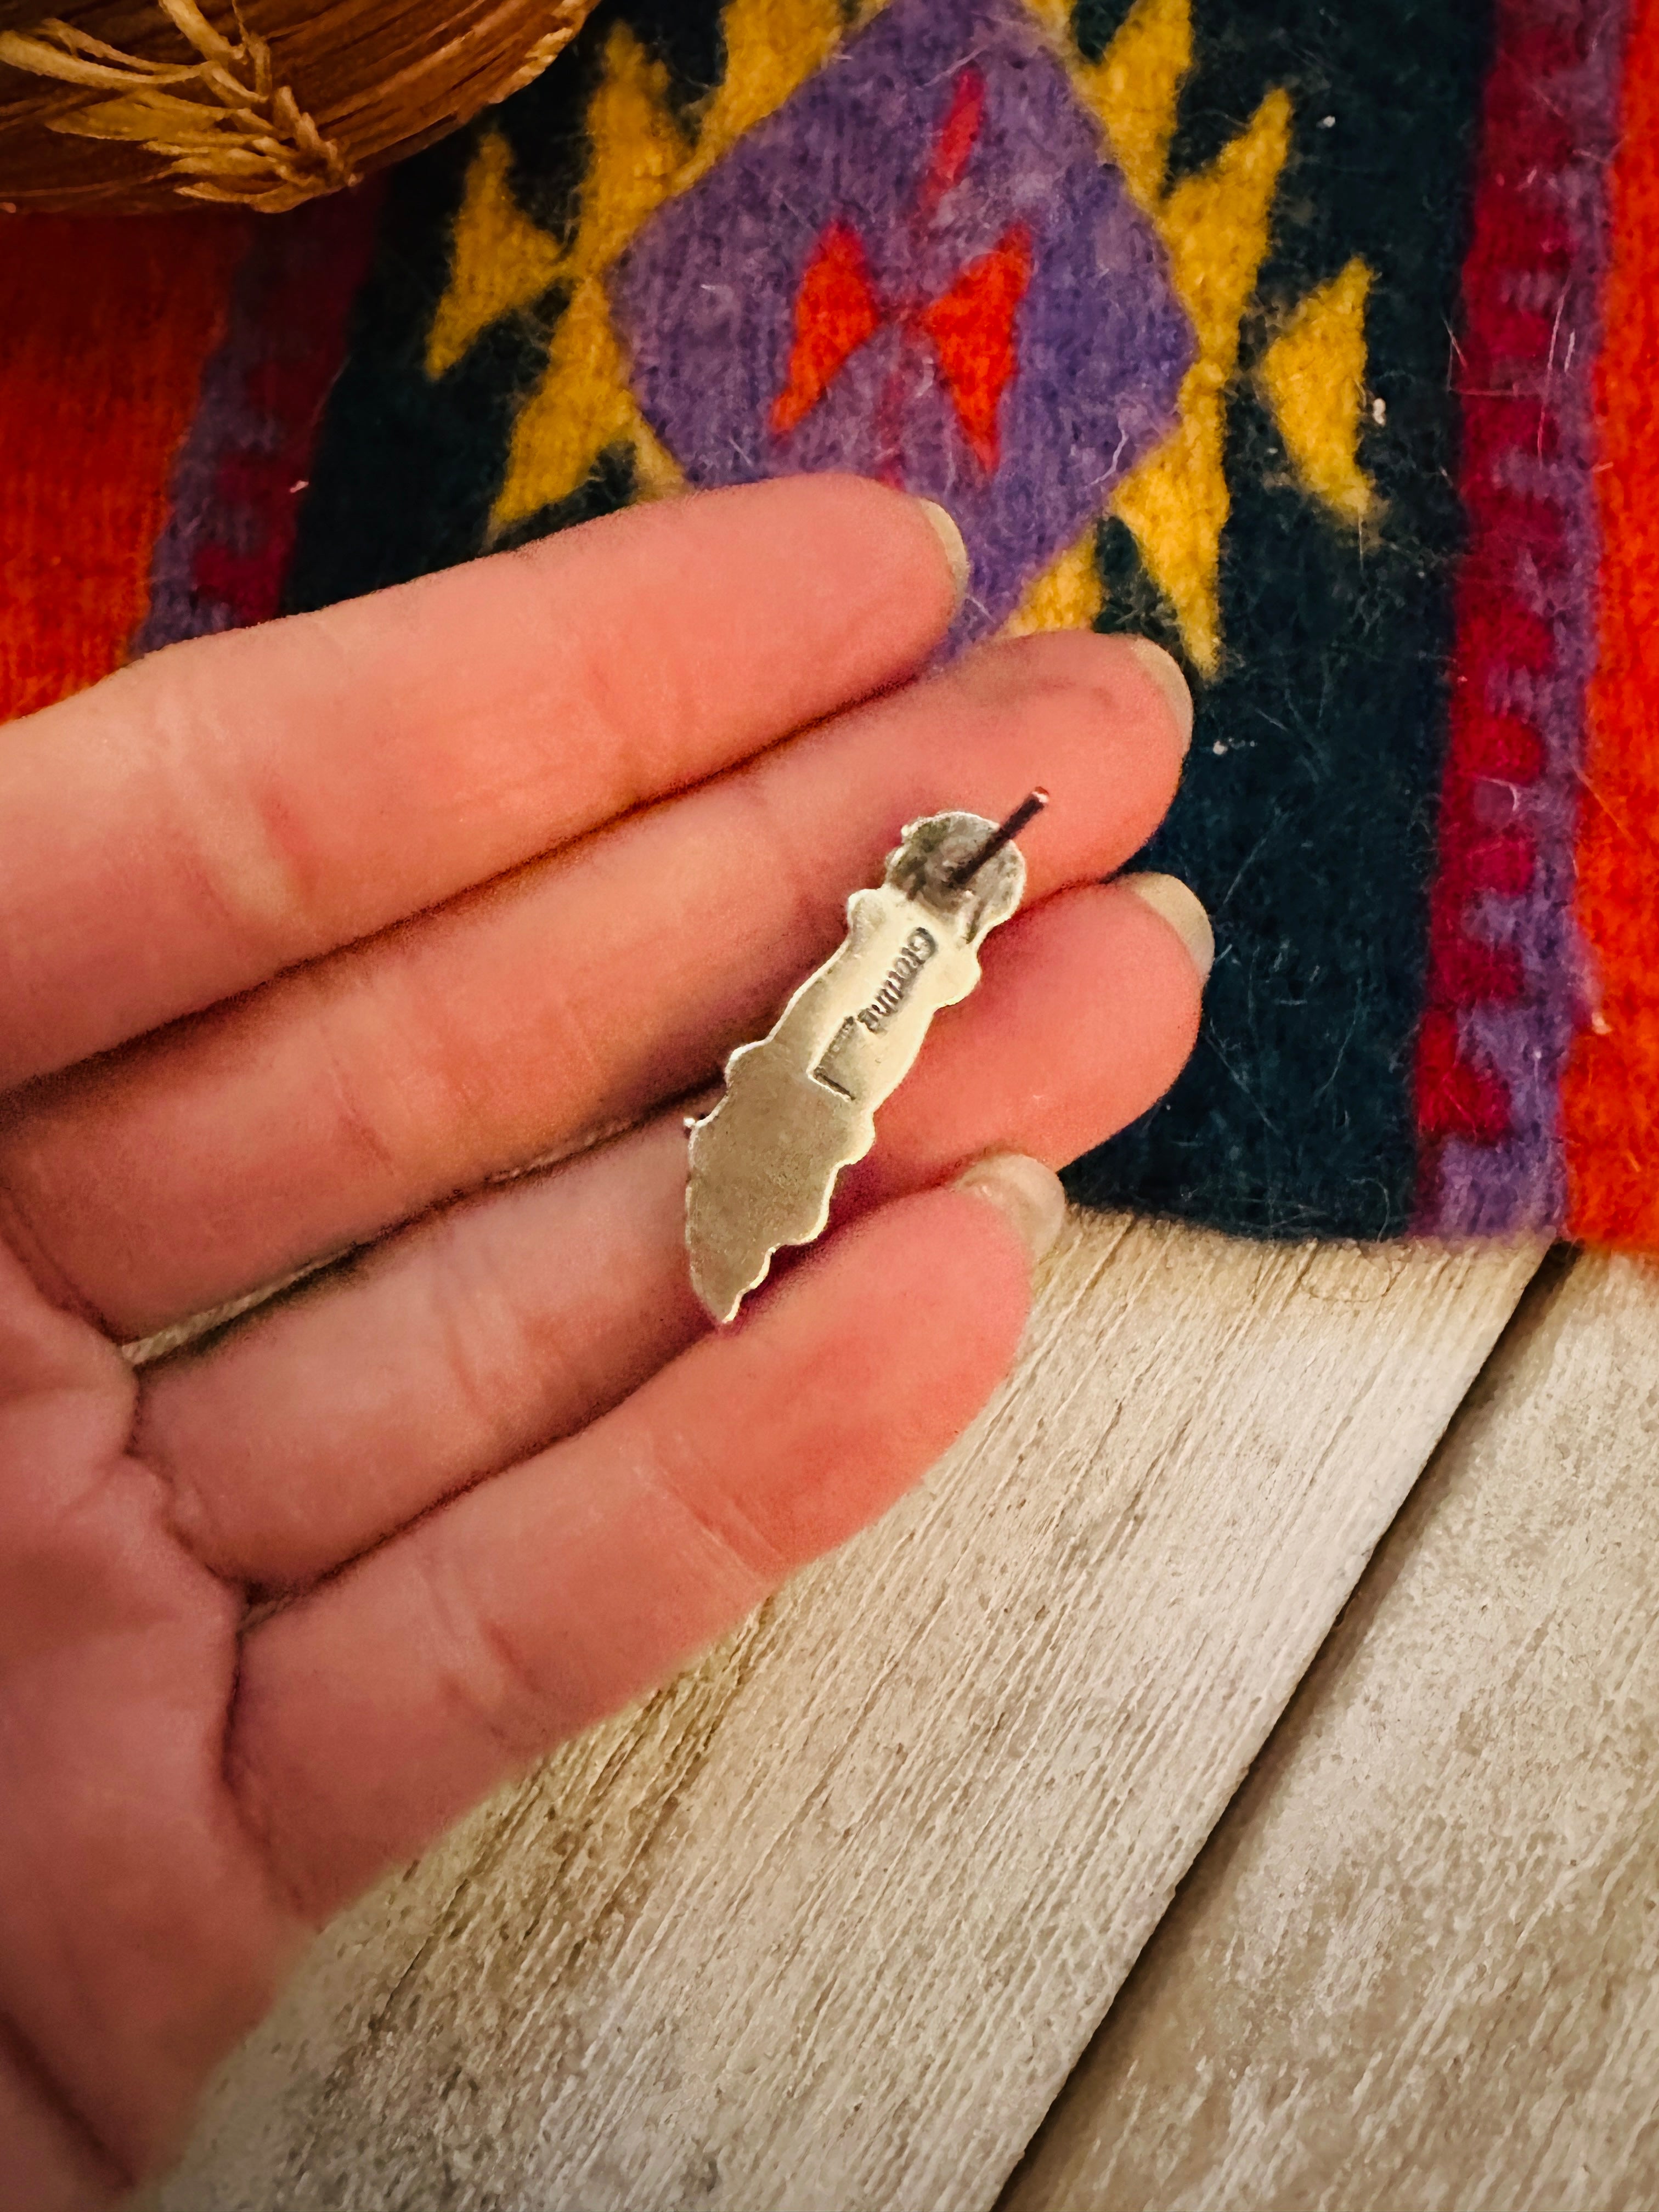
800 1105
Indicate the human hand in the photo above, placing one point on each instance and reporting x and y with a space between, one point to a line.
310 930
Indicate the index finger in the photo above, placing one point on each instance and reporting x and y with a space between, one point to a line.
233 807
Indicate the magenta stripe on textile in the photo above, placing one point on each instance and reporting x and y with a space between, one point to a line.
222 556
1546 573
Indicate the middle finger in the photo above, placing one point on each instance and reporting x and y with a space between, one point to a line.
576 993
489 1329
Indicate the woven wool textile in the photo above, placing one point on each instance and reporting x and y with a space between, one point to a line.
1311 341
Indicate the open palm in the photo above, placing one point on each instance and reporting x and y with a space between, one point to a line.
310 936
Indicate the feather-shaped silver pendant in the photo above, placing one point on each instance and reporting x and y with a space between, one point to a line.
800 1105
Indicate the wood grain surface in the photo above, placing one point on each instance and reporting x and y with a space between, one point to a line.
1416 1968
828 1922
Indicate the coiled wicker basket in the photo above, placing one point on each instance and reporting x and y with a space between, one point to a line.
124 105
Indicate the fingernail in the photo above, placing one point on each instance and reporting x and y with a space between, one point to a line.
1027 1192
1168 896
1166 674
956 552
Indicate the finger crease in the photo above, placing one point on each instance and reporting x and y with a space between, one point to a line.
20 2053
471 1309
811 921
357 1123
734 1535
488 1676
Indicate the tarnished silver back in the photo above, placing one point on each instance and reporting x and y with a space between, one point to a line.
800 1106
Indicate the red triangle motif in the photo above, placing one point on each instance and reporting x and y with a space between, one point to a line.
836 311
972 328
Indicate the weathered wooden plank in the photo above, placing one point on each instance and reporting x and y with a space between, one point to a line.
1418 1966
829 1922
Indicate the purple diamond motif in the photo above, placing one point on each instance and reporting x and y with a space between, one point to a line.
922 268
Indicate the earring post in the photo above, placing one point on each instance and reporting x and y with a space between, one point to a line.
1031 805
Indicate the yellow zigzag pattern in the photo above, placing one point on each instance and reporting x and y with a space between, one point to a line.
1215 226
640 158
1176 503
1314 376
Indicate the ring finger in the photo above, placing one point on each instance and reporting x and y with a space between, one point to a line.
351 1094
483 1334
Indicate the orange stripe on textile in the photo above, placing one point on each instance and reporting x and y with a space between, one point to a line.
1610 1095
107 322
